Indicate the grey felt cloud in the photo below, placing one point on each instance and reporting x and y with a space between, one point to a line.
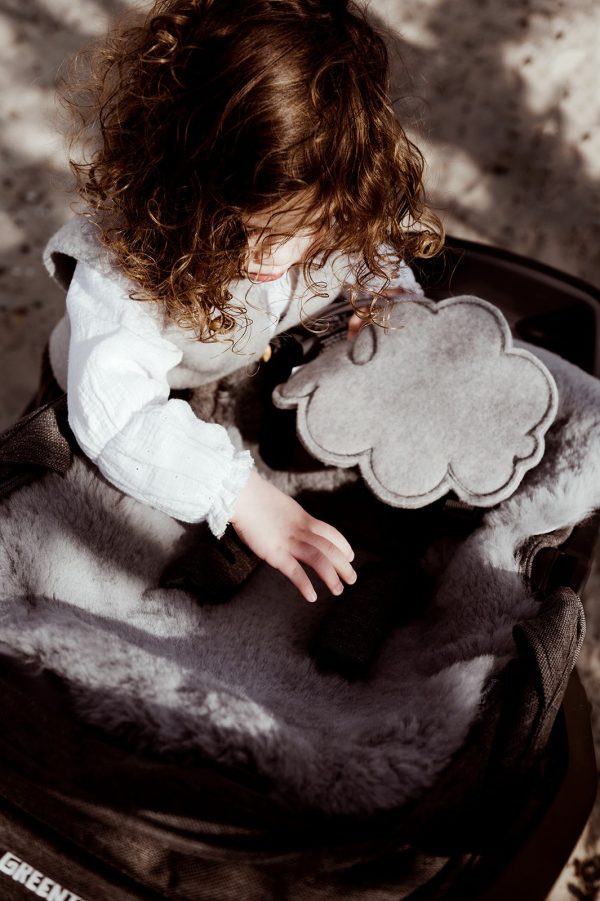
441 402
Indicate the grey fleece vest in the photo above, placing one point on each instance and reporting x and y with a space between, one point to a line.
201 362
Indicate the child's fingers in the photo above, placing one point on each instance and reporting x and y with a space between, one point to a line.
332 554
396 291
331 534
355 323
291 569
320 563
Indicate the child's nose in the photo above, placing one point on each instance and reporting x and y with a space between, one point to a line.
256 253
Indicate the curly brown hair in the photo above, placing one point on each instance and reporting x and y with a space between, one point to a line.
206 112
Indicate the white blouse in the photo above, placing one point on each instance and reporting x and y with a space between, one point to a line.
151 447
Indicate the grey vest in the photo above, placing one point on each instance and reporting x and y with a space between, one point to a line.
201 362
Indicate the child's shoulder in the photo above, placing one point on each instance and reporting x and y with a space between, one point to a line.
78 241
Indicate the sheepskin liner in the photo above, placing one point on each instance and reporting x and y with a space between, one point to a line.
80 565
442 402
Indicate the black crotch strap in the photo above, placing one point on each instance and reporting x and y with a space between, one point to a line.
550 643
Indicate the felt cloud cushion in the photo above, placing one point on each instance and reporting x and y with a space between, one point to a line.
441 402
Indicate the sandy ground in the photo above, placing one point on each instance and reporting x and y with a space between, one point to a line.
503 98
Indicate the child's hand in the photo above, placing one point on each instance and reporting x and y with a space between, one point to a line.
355 323
282 533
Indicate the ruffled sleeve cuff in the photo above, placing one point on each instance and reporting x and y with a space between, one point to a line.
406 281
219 515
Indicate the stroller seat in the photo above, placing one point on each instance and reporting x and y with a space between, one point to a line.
116 780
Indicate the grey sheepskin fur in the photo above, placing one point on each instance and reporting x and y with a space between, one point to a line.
79 570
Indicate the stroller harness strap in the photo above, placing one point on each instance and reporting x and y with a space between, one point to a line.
38 442
551 642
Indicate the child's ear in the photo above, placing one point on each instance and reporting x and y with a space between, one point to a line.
363 346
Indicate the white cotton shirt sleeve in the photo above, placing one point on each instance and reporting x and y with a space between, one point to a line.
400 274
151 448
406 280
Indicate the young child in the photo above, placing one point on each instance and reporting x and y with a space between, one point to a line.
247 166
